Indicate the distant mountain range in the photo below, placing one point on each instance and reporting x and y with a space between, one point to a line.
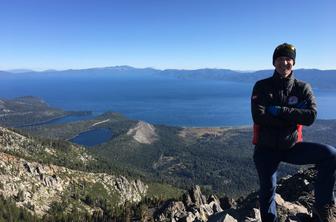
19 70
317 78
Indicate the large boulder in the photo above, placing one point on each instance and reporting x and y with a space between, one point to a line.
172 211
194 207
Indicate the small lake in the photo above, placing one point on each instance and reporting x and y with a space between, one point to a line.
93 137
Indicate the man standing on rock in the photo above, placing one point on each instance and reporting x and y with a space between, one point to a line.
280 106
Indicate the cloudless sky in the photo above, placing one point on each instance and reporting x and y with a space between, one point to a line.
182 34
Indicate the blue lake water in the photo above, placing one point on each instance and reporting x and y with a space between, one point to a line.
93 137
160 100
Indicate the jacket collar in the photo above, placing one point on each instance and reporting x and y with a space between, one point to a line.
281 80
283 83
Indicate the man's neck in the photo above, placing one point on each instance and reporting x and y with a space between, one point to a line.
283 76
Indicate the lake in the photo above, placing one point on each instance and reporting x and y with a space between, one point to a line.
93 137
159 100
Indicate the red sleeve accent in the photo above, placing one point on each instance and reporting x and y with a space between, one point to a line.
256 129
299 131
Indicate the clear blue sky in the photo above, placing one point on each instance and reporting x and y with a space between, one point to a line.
183 34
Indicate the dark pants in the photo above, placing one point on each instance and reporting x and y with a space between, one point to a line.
268 160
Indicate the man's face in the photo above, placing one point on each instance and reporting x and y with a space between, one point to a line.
284 65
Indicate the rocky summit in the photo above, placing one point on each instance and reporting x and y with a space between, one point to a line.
294 199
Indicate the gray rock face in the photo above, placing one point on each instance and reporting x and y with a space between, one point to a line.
222 217
194 197
173 211
227 203
143 133
36 186
299 187
294 200
130 191
194 207
229 218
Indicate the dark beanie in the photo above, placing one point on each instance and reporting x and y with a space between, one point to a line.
286 50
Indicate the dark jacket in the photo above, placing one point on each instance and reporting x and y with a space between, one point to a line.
298 107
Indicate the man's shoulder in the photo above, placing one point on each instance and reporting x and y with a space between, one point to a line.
302 84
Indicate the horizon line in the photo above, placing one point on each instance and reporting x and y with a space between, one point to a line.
25 70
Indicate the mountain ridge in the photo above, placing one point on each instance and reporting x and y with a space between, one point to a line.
128 67
318 78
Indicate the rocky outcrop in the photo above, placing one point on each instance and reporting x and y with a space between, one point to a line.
37 185
194 207
130 191
294 201
143 133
